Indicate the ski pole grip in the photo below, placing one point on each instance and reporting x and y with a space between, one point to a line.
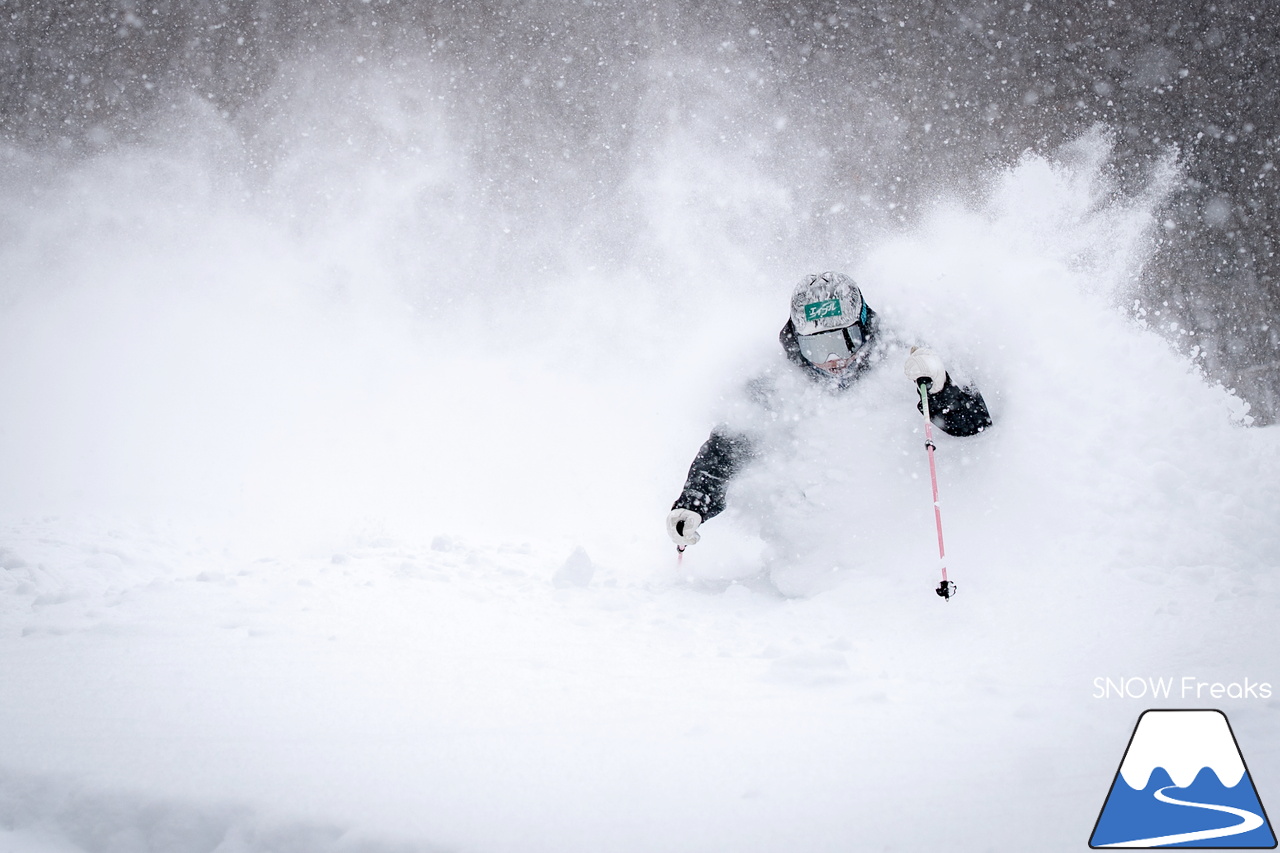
922 385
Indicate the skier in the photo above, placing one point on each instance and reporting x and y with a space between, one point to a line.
832 338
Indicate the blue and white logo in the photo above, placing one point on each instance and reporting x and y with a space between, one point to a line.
1183 783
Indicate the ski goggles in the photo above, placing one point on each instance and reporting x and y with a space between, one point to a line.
832 345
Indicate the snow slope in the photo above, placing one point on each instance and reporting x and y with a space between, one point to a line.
291 553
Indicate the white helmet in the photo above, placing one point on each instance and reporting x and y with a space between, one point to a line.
829 317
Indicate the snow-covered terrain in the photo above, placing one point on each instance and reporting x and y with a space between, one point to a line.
296 559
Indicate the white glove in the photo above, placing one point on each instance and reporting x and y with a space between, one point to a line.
682 526
925 364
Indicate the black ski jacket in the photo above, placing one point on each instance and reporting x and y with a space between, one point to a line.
954 409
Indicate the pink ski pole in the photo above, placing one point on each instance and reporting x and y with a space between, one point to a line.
946 589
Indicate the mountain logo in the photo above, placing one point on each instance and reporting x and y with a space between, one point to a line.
1183 783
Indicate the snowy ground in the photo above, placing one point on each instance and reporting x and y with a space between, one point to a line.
279 575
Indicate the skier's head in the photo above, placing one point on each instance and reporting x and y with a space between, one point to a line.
831 322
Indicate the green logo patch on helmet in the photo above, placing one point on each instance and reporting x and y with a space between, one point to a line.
825 308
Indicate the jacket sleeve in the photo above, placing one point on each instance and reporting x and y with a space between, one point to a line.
956 410
720 457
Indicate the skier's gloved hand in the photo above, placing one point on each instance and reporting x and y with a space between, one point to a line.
682 526
925 364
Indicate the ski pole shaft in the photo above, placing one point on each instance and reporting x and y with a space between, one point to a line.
945 589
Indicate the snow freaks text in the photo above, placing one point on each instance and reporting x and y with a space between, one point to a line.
1186 687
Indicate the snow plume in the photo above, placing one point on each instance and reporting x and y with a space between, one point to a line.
310 310
1108 429
1100 426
